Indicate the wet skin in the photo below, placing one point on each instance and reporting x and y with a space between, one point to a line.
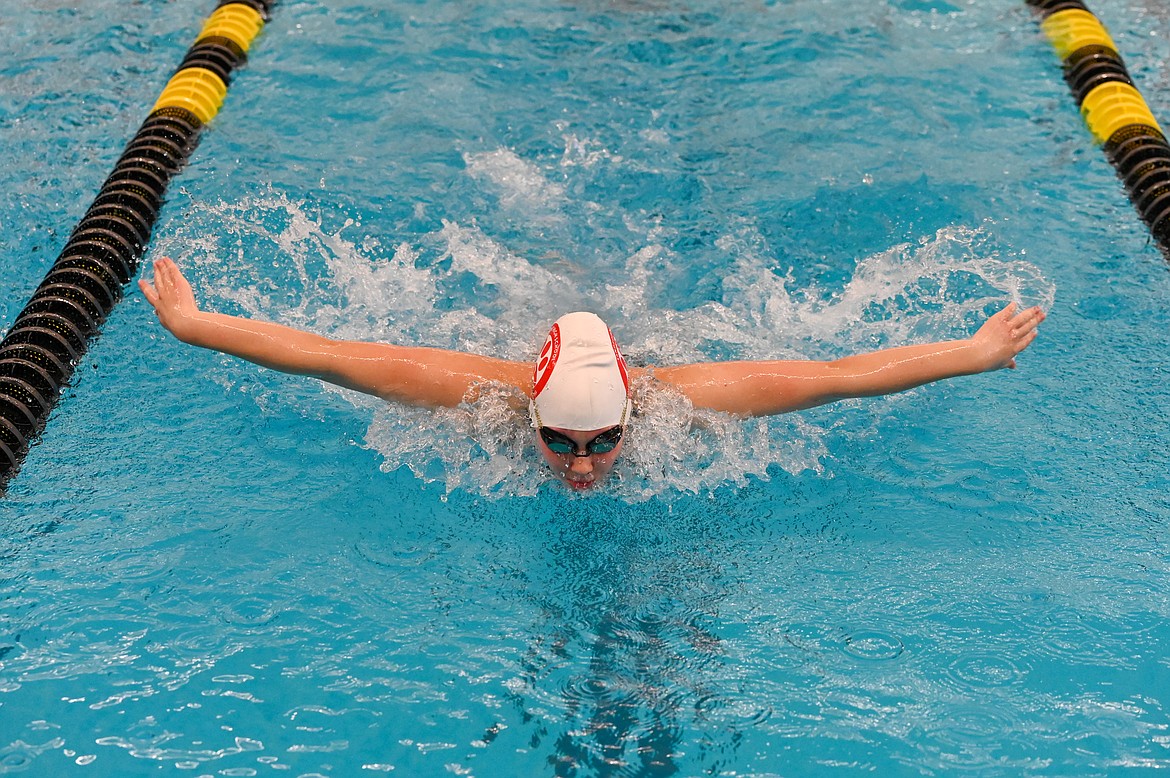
579 472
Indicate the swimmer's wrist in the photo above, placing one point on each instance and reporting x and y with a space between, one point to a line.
984 358
190 328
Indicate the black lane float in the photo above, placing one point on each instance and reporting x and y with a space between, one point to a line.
1113 109
50 334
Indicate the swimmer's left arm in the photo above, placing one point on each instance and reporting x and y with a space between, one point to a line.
771 387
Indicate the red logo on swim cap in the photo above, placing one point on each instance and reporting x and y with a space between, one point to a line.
620 360
548 360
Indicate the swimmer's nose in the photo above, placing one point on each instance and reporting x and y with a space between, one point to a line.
582 465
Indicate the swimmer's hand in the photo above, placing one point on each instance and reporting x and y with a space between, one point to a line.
1005 335
172 297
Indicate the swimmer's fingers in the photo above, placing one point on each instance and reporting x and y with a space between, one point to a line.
170 295
1026 322
152 290
172 287
164 276
1015 322
1020 343
1006 313
1006 333
1025 328
149 292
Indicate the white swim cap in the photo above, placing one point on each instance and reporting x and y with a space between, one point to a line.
580 381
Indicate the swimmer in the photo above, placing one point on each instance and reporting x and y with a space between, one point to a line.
578 394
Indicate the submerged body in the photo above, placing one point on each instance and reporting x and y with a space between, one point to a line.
433 377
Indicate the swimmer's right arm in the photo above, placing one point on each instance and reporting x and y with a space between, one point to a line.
414 376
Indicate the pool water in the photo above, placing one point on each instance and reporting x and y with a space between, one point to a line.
209 569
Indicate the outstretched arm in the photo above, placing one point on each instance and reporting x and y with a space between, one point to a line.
415 376
765 388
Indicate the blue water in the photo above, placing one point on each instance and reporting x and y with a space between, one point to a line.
213 570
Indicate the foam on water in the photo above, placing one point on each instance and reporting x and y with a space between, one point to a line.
458 287
520 184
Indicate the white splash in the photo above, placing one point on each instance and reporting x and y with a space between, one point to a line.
478 296
519 183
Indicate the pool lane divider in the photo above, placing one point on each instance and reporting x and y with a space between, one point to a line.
49 336
1113 109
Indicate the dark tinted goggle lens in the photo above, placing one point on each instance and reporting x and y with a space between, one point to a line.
602 444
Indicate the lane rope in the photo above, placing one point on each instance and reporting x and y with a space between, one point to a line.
53 331
1113 109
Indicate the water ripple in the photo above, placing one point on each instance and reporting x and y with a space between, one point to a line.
19 755
983 671
873 645
249 612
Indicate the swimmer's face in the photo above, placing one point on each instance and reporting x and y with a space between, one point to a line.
579 472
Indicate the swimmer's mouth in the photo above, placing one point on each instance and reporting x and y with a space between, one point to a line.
579 485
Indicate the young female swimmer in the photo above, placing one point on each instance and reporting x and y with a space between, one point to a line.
579 391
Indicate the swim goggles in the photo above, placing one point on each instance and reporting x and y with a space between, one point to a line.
561 444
